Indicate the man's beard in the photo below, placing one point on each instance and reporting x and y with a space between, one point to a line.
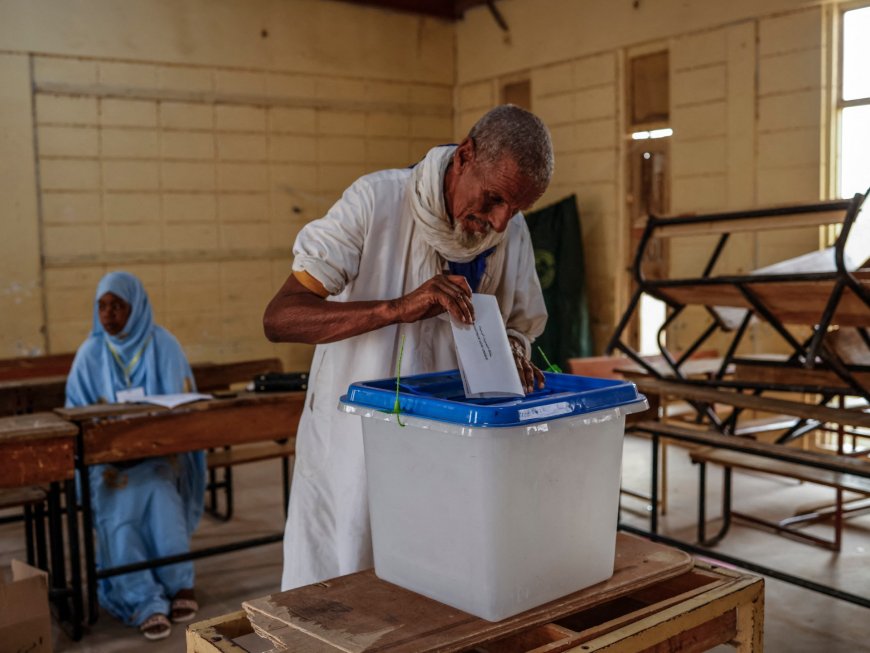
468 239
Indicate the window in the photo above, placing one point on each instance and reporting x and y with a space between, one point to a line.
854 103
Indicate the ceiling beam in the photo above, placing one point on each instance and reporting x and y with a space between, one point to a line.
446 9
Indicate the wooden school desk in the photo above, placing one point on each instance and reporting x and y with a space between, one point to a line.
37 450
122 432
658 599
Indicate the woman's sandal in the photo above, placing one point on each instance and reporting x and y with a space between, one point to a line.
183 606
155 627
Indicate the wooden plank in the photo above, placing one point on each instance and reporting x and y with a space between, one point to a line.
32 395
705 295
845 416
702 637
35 426
844 464
677 626
251 417
36 462
219 376
692 368
741 460
36 391
792 302
755 371
595 623
535 638
20 496
354 612
767 223
216 635
13 369
251 453
804 302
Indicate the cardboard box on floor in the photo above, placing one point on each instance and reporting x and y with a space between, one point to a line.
25 622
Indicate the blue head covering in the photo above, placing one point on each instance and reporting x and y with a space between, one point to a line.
142 355
129 345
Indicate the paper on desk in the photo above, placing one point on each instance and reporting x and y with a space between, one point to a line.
485 359
171 401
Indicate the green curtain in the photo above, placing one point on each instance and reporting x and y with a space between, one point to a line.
559 259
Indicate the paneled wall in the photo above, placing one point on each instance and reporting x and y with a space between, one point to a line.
198 180
188 142
748 93
197 177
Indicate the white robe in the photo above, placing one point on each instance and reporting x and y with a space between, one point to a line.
360 251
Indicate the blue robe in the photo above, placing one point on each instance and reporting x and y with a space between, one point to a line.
148 509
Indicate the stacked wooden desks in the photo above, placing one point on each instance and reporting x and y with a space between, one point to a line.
820 300
115 433
843 472
657 599
37 450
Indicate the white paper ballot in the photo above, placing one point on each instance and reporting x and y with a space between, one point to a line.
485 359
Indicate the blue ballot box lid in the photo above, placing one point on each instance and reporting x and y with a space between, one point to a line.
440 396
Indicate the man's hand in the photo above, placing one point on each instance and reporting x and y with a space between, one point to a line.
530 376
441 293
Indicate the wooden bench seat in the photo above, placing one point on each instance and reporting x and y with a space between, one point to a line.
250 453
31 501
837 471
738 460
21 496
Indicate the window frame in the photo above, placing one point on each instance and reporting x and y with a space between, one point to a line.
840 103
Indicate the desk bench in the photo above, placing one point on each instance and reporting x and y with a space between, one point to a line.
37 450
120 432
658 599
730 460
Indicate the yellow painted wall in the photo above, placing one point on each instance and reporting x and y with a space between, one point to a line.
748 87
188 141
181 142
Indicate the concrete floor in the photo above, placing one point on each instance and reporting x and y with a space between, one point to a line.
796 620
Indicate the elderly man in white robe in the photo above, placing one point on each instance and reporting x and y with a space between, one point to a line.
397 255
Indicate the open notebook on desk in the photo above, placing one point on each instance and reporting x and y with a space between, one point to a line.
167 401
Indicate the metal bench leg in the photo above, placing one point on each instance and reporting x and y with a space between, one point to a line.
72 524
664 481
41 548
225 484
726 509
654 485
702 502
212 491
28 535
88 535
228 489
285 476
57 574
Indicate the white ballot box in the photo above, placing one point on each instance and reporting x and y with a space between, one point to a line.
493 506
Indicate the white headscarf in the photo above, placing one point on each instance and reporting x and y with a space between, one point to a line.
434 241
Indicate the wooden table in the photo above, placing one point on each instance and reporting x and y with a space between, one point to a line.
35 450
658 599
121 432
39 384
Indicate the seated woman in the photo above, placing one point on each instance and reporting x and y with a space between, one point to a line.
148 508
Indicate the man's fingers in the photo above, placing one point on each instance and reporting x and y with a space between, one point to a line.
458 302
462 282
539 377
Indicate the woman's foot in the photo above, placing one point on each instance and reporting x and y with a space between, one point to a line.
183 606
155 627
